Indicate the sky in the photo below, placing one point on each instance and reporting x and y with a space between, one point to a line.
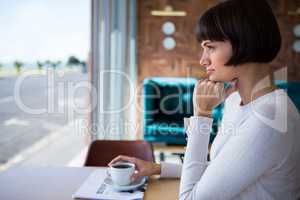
34 30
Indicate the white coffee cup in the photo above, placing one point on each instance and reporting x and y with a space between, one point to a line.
121 173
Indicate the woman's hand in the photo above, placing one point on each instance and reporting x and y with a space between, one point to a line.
208 94
144 168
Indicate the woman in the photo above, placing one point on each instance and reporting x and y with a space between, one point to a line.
255 154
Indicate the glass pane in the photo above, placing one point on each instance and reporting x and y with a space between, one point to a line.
44 82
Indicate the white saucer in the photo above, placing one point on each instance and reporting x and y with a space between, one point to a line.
136 184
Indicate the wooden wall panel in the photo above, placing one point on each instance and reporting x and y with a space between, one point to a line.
154 60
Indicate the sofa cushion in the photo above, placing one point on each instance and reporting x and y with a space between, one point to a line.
293 90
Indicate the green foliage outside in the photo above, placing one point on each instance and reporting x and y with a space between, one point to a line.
18 65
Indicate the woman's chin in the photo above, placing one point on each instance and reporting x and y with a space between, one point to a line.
214 78
211 78
218 79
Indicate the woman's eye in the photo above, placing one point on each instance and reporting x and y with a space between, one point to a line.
210 48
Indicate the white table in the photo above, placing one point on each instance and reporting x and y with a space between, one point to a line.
59 183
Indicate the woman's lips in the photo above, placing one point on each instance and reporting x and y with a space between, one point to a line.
210 71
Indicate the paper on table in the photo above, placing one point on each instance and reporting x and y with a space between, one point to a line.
95 188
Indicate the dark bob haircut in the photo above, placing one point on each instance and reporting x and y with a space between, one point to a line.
249 25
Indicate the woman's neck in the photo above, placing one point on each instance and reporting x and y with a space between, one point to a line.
254 80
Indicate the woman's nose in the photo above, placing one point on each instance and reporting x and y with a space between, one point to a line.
204 61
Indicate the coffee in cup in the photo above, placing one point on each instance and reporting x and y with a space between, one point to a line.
121 173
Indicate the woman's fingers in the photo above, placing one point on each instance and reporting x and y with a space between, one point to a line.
201 82
147 169
209 94
122 158
137 175
115 160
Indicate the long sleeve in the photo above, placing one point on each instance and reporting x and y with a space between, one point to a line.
246 156
170 170
195 159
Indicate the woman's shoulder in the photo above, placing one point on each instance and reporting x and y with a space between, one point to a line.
232 101
233 97
273 119
275 110
272 112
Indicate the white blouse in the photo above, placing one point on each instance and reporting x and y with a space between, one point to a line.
255 155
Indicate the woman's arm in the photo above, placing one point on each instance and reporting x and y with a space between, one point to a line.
245 157
170 170
195 160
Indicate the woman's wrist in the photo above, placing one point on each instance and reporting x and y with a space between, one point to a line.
202 113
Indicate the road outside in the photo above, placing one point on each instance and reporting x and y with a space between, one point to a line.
21 130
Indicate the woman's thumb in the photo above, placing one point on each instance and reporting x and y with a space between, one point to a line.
136 176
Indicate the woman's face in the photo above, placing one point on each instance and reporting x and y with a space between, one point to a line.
214 57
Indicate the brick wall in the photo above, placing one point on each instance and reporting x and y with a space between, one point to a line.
154 60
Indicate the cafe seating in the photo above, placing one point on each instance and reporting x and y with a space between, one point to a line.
167 101
293 90
101 152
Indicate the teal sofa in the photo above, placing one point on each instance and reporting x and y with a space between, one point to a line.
293 90
167 101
